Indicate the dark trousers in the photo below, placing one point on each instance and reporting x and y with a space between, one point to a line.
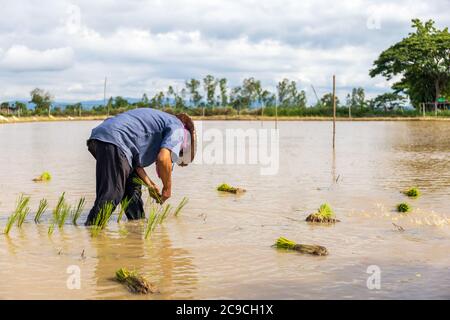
114 181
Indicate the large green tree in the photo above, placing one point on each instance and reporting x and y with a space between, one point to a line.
42 100
422 60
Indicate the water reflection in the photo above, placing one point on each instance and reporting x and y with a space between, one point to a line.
170 269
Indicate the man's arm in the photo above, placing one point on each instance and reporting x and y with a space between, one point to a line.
144 177
164 167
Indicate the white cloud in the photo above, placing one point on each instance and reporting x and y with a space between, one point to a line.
144 45
21 58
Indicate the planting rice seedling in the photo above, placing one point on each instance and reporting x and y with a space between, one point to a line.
283 243
227 188
102 218
78 210
180 206
19 214
151 191
324 214
123 208
43 205
58 216
134 282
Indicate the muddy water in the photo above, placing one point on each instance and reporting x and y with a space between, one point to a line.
220 246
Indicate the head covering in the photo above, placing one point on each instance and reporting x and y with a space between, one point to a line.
189 146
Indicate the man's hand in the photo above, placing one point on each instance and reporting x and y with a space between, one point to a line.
164 167
144 177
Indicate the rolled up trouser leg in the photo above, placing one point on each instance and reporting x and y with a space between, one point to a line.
112 172
133 191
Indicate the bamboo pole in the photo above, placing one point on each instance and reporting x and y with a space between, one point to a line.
104 97
334 111
276 115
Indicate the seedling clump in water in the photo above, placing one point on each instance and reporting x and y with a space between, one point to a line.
43 205
103 217
324 215
45 176
135 282
78 210
22 209
227 188
123 208
180 206
152 221
412 193
18 213
283 243
57 213
404 207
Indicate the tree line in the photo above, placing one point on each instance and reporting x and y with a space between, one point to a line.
422 60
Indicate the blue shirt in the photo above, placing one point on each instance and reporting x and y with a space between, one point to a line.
141 133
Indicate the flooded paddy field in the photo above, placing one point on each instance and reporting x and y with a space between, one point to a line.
220 245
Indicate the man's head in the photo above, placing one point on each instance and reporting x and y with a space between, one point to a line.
189 147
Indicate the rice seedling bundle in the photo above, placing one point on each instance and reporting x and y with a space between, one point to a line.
324 214
45 176
227 188
78 210
135 282
103 217
412 192
43 205
283 243
123 208
151 191
404 207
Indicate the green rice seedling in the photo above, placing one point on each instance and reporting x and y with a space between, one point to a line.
404 207
123 208
412 192
22 216
324 214
151 191
57 213
64 213
135 282
103 217
152 221
180 206
22 209
227 188
164 213
45 176
43 205
10 222
59 206
77 211
283 243
21 203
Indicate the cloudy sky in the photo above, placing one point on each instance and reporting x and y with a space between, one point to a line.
68 47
